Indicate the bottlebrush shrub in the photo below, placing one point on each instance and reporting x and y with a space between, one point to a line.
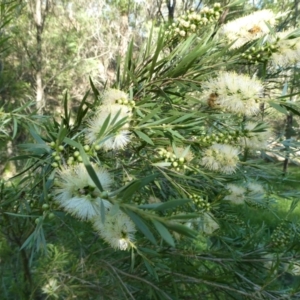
155 188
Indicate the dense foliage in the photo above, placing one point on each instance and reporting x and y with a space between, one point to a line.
161 183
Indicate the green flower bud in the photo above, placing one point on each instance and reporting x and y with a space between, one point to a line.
51 216
54 164
181 159
86 148
38 220
45 206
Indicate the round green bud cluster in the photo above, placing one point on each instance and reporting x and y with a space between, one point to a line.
255 55
192 21
124 101
200 203
76 157
282 235
138 199
56 154
255 204
235 219
230 218
178 163
219 137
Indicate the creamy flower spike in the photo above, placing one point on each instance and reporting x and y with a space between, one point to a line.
287 50
255 190
117 230
255 140
237 194
114 96
220 158
77 193
248 28
235 93
209 225
120 138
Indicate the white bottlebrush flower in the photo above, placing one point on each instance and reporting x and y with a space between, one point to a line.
220 158
209 225
51 288
255 140
119 138
235 93
270 261
237 194
153 199
248 28
293 268
117 230
287 50
255 190
77 193
114 96
182 154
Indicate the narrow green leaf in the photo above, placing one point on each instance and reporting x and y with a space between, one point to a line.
104 127
144 137
86 162
278 107
35 135
81 112
150 115
66 109
102 212
293 110
28 241
164 232
183 118
149 206
172 204
132 187
95 91
160 44
129 191
184 216
62 132
15 126
141 226
20 215
90 169
150 269
181 229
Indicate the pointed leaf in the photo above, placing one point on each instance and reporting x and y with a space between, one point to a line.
164 232
144 137
141 226
172 204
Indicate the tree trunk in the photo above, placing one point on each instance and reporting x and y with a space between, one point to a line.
39 20
171 9
288 135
